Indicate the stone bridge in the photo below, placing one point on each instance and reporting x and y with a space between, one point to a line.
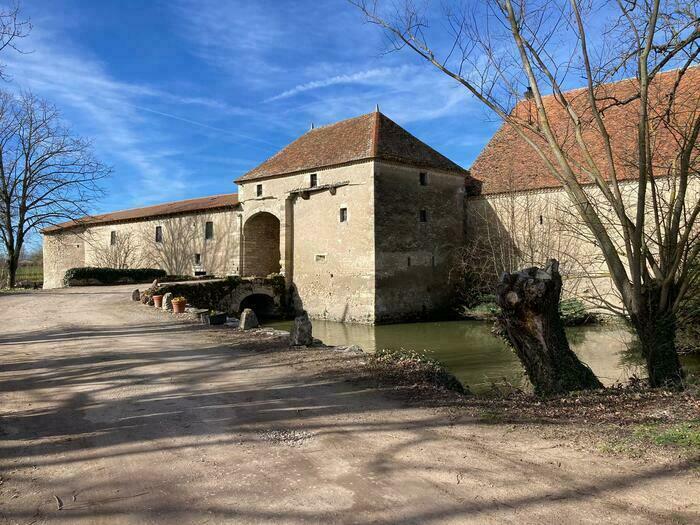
266 296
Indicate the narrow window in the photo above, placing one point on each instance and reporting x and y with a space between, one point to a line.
541 220
159 234
432 261
423 216
408 262
209 230
343 215
112 238
197 259
313 180
258 190
423 178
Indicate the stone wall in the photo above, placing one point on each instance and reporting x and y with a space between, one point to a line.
62 252
136 247
516 230
413 258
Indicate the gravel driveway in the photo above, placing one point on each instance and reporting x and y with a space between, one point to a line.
113 412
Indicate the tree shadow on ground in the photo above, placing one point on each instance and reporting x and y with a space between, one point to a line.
131 392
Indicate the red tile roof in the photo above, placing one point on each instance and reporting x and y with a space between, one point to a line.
214 202
509 164
370 136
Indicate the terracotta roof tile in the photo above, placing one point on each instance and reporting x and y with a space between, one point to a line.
214 202
370 136
508 163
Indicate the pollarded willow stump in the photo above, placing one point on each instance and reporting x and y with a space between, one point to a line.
529 319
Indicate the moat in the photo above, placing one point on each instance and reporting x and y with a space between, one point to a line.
478 358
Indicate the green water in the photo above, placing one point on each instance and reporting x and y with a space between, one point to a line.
478 358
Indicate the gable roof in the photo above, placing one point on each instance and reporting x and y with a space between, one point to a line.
509 164
214 202
370 136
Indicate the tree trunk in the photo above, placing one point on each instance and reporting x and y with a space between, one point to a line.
657 337
12 265
529 318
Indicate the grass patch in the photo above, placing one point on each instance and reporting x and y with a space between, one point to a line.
685 435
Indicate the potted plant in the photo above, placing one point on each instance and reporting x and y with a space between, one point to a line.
179 305
158 301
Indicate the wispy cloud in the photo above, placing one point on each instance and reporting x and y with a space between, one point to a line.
361 77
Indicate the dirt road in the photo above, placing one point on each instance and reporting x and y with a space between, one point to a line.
115 413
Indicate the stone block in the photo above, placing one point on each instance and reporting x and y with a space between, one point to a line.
168 301
301 334
248 320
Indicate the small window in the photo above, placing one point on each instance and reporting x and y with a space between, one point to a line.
209 230
258 190
159 234
198 258
423 216
343 215
408 262
541 219
313 180
112 238
320 258
423 178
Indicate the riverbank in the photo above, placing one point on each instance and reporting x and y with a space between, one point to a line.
628 420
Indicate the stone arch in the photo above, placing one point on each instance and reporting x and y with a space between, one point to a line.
261 245
263 304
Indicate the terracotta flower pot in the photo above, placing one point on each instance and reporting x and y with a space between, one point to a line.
158 301
179 307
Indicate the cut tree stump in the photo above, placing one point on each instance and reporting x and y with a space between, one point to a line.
529 319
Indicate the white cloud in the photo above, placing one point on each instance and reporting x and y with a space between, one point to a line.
361 77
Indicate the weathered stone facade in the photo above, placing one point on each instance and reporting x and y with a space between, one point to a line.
365 239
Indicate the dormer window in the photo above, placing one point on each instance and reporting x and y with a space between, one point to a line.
313 180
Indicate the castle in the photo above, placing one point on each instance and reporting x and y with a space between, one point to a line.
363 219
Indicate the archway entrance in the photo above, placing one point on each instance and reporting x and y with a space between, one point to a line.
261 245
262 304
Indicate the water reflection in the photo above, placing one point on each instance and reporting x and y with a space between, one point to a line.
478 358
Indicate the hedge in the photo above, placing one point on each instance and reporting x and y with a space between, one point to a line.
97 276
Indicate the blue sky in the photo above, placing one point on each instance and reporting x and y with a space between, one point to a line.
181 97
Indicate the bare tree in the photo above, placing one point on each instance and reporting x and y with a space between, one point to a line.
498 49
46 175
12 28
123 250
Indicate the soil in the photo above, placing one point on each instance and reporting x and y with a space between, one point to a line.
113 412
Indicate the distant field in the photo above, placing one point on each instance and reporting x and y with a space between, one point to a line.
34 274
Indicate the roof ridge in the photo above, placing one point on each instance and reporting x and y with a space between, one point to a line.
167 203
374 146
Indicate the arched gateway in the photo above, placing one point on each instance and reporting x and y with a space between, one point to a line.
261 245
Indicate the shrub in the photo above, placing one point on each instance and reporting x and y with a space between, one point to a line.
414 368
573 313
100 276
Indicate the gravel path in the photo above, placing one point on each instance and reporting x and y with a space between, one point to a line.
113 412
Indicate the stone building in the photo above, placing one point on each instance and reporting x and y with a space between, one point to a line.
359 216
522 216
363 219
